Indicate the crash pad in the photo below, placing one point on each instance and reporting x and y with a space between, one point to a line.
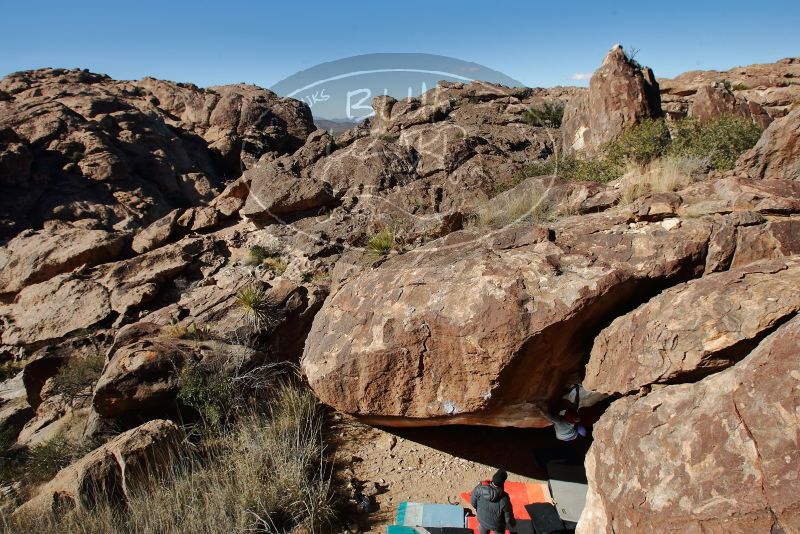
415 514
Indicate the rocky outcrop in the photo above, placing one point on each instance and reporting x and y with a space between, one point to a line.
144 376
621 93
694 329
110 472
76 145
768 85
285 186
719 455
776 156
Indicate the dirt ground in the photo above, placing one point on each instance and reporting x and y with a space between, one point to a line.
428 464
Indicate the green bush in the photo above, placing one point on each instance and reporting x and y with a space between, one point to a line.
75 378
208 391
640 143
549 114
571 168
722 140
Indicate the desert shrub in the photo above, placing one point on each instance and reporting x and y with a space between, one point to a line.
740 87
258 309
267 473
388 138
207 391
43 461
640 143
571 168
75 378
549 114
382 242
722 139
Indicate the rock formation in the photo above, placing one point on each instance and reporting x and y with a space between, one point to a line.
718 455
136 218
770 86
621 93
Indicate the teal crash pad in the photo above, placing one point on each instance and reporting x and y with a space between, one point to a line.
414 514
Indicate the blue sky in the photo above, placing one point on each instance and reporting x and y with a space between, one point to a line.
540 44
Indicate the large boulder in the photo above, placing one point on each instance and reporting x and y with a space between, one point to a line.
718 455
285 186
111 472
694 329
483 329
776 156
621 93
143 376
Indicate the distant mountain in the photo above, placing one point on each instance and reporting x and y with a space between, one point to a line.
335 126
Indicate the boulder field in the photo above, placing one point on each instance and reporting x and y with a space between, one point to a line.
134 216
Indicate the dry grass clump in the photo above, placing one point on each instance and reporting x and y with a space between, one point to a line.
659 176
268 473
192 332
534 204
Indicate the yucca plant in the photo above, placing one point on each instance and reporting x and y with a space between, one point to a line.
258 308
383 242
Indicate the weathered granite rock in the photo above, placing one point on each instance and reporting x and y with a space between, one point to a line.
719 455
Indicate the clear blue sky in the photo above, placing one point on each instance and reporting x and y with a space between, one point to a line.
538 43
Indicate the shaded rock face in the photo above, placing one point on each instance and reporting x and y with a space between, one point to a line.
719 455
109 472
620 94
776 156
695 328
77 145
